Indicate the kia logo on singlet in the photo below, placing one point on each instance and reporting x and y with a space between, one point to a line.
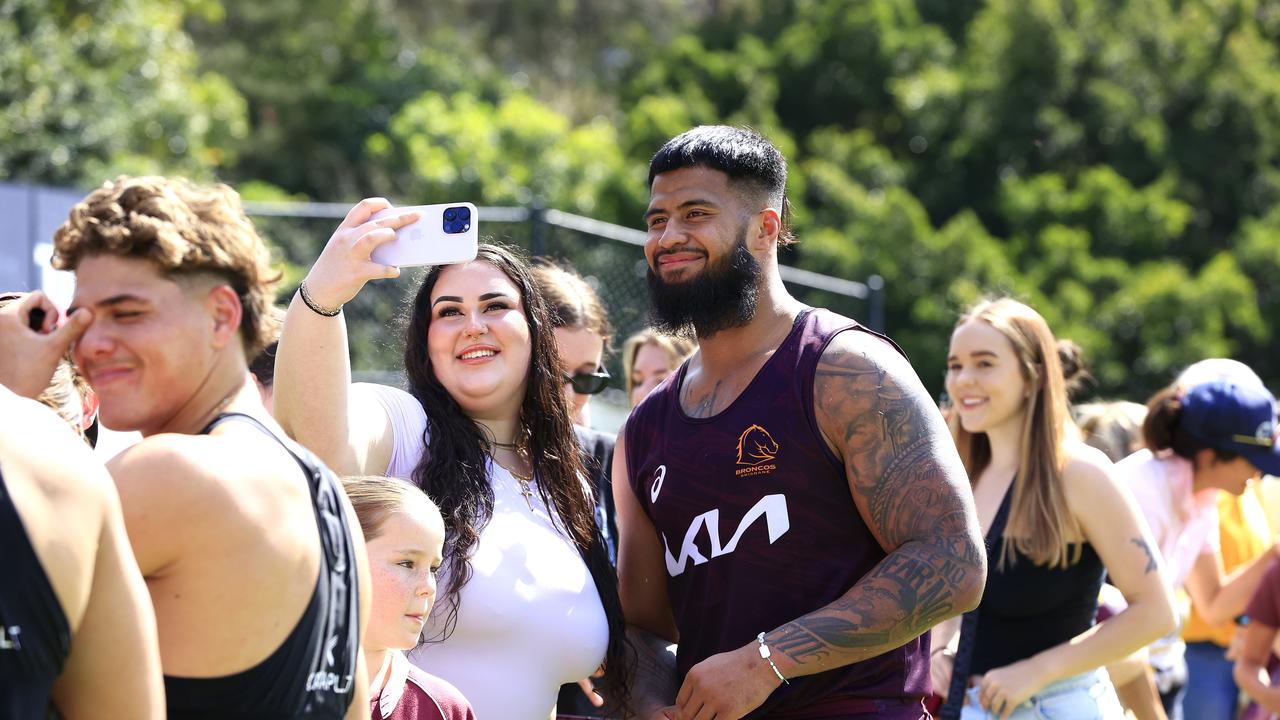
773 508
756 450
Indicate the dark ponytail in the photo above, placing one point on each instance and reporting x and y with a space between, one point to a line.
1074 373
1162 425
1162 429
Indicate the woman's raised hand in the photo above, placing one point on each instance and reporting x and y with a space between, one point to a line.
344 266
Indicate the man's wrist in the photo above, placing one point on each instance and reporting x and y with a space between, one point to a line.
27 382
766 663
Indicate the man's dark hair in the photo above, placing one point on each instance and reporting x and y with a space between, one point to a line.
753 164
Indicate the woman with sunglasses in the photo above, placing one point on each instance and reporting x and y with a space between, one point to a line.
582 333
528 600
581 327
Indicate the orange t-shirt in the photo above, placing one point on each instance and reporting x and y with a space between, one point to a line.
1244 534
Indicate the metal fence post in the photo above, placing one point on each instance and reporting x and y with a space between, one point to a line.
875 299
538 229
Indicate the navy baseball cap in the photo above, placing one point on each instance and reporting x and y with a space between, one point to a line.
1240 418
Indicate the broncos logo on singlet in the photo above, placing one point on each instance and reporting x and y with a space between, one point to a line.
756 446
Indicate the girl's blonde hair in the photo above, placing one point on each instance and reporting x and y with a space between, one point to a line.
375 498
1040 521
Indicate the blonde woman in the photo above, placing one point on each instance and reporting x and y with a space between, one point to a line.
648 357
1055 519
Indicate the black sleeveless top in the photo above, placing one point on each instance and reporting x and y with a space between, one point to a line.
312 674
1027 608
35 637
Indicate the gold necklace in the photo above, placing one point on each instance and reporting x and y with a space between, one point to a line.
524 481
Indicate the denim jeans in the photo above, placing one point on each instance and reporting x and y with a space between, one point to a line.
1211 690
1088 696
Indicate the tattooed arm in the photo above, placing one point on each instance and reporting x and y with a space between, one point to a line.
910 489
912 492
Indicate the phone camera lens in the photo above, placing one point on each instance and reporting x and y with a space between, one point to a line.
450 215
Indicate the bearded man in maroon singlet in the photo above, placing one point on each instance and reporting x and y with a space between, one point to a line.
791 491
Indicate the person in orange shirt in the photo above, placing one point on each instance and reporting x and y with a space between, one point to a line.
1244 534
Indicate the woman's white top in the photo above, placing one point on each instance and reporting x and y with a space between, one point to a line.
530 618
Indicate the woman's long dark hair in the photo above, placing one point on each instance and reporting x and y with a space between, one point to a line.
453 470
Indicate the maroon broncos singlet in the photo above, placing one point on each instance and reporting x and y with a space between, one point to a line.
759 527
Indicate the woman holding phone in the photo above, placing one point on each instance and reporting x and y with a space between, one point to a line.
528 599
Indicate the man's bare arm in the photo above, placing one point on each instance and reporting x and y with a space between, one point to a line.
642 587
71 515
912 492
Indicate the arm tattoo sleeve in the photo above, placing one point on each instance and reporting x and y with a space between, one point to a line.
912 492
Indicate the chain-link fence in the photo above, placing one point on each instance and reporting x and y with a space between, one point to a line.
609 256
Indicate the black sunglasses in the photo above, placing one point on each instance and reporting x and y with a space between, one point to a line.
588 383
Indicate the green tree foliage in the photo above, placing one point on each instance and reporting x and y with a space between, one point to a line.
1116 164
92 89
517 151
1111 163
320 77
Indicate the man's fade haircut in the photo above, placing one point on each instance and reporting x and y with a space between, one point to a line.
754 166
185 230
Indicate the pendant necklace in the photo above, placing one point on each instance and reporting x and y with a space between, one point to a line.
524 481
517 448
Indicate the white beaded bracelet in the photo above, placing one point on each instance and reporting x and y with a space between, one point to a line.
765 653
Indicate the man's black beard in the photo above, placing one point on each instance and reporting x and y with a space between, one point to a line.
721 297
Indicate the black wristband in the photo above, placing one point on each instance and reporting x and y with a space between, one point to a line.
306 300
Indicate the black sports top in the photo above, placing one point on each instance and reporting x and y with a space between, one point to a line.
1027 608
35 638
311 675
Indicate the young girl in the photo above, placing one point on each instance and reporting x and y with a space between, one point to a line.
404 539
1055 521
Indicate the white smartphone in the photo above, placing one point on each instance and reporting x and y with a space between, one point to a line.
443 234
